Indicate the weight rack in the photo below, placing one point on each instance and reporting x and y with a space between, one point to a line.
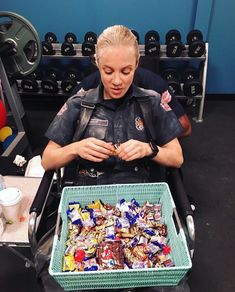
162 57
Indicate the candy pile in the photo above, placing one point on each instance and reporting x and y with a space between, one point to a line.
125 236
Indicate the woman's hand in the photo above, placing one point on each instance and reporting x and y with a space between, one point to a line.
56 156
169 154
94 149
133 149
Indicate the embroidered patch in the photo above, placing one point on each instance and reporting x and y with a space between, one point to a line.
62 110
166 98
98 122
139 124
81 92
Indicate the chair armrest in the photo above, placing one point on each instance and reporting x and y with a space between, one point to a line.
175 182
42 192
37 207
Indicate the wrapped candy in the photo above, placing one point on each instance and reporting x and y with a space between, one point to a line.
110 255
124 236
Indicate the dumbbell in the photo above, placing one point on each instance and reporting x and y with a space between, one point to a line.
174 46
192 85
71 77
196 43
50 80
49 39
152 45
67 48
135 33
172 76
30 83
88 46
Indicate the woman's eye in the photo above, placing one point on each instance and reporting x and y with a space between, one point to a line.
108 72
126 72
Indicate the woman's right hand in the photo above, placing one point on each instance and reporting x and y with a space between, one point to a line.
94 149
56 156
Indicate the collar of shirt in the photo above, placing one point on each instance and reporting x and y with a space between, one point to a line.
96 95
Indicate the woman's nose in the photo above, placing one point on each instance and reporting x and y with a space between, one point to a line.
116 79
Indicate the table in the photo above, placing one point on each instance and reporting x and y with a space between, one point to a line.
16 235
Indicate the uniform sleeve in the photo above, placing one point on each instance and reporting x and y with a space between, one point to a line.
176 106
146 79
149 80
62 128
167 125
89 82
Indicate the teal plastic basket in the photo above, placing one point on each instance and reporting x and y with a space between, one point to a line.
114 279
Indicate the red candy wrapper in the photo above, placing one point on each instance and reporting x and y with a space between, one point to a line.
110 255
79 255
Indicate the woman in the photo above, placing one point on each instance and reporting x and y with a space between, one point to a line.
116 145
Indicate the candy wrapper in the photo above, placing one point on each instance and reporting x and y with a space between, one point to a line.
110 255
124 236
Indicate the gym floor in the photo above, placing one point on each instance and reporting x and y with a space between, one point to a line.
209 170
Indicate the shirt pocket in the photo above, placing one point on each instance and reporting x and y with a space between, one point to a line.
97 128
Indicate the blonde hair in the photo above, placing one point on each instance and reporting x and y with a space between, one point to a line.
116 35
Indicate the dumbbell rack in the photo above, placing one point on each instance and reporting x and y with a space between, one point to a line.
162 57
203 75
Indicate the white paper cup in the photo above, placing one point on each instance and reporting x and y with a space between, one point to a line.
10 200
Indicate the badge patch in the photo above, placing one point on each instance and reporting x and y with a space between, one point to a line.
81 92
139 124
62 110
166 98
98 122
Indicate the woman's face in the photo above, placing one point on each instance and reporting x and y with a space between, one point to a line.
117 66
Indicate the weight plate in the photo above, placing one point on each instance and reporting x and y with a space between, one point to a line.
37 74
151 36
70 38
88 49
24 38
50 37
73 74
170 74
196 49
194 35
67 49
68 85
47 49
90 37
192 88
174 87
152 48
174 49
29 84
173 35
50 86
53 72
190 73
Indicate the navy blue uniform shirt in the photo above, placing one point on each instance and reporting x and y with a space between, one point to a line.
115 121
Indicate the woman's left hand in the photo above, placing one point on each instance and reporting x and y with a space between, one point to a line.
133 149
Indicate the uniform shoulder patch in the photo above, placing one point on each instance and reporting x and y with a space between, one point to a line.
80 93
62 110
165 99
